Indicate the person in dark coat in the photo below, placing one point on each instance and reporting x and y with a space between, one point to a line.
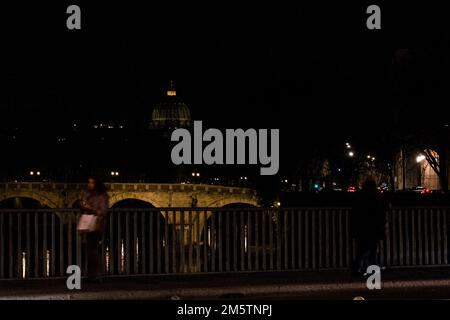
95 202
368 225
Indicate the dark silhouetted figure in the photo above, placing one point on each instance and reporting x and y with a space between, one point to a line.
368 224
95 202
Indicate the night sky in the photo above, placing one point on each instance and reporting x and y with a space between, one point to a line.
313 70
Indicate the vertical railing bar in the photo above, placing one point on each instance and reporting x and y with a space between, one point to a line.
136 249
388 239
394 237
182 233
264 248
44 246
299 214
197 247
205 241
419 227
227 231
313 236
219 231
341 240
111 243
52 256
285 240
242 239
103 252
249 234
19 245
327 238
307 251
69 239
400 234
382 242
432 235
36 245
2 248
61 247
166 216
143 244
256 240
174 242
347 238
28 256
190 241
158 242
127 242
213 241
278 235
119 243
333 237
292 239
439 240
78 241
426 242
10 237
270 240
413 237
235 253
151 251
444 234
407 237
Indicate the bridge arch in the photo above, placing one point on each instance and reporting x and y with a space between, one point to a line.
145 197
40 197
227 201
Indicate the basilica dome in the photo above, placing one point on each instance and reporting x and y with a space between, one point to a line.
171 112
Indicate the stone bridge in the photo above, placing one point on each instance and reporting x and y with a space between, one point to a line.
65 195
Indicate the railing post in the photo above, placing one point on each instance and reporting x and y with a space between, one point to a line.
165 215
2 247
299 214
19 245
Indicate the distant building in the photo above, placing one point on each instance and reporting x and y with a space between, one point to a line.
416 171
171 112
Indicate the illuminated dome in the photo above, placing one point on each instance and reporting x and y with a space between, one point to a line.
171 112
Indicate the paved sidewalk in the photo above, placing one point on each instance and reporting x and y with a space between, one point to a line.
396 284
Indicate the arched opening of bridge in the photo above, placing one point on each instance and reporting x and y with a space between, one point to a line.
240 238
35 239
135 239
21 203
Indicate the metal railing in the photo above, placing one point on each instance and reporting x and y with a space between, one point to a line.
44 242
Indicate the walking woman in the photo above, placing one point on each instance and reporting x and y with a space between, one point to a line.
368 225
96 203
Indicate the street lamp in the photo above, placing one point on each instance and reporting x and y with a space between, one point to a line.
420 158
351 154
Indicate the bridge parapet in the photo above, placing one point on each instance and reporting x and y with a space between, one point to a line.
64 195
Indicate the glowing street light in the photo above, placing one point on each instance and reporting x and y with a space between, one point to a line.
351 154
420 158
